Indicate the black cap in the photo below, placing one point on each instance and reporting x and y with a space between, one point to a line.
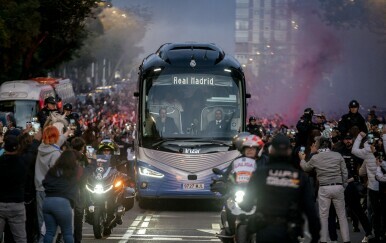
252 118
50 100
353 104
67 107
281 142
309 111
347 136
10 143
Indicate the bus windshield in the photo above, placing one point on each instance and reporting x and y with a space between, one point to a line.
204 106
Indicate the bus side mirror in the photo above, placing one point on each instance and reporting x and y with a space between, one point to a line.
248 96
136 94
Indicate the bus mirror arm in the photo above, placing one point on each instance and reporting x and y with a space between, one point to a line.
247 96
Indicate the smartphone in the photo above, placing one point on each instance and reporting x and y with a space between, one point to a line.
380 127
302 149
5 129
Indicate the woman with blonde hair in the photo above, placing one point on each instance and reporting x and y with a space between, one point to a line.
48 152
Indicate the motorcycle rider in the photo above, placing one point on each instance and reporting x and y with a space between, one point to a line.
249 146
278 220
108 148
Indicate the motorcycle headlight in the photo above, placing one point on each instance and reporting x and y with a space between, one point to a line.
98 189
118 183
239 196
151 173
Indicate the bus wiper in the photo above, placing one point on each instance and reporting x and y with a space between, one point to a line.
163 141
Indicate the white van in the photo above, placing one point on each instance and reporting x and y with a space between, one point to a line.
25 98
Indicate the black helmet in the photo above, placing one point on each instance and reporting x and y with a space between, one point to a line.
50 100
252 118
353 104
67 107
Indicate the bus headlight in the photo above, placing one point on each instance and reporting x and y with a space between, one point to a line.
239 196
151 173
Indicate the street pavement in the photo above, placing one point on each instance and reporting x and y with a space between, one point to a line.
172 221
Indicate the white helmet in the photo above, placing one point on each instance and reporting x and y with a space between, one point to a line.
252 141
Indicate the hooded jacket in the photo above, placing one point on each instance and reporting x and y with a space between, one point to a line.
46 158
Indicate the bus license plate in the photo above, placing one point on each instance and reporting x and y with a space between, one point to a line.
192 186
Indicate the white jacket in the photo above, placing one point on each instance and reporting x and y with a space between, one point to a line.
369 166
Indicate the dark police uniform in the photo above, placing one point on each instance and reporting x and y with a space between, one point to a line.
257 130
281 194
43 115
350 120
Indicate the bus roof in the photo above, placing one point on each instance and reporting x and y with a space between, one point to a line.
183 54
22 90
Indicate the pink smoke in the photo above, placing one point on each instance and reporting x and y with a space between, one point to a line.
318 50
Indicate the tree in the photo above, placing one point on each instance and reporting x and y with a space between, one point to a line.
38 35
114 36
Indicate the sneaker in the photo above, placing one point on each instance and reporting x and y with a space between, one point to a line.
367 238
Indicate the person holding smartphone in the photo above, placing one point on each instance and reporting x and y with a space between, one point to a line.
72 119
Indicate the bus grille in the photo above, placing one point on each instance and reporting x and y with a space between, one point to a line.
192 162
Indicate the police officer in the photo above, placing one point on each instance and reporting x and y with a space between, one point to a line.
72 119
279 220
254 128
351 119
49 106
305 127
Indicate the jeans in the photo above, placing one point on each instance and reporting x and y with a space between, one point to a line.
79 214
58 212
334 193
14 215
40 195
374 198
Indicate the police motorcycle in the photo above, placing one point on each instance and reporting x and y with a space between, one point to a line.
232 185
109 197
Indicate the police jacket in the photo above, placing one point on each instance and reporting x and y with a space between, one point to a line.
281 191
256 130
304 127
350 120
43 114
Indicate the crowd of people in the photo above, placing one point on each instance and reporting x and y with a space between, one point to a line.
341 158
345 164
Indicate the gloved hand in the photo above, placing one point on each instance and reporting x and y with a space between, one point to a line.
218 186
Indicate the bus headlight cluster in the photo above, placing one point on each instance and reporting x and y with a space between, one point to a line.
151 173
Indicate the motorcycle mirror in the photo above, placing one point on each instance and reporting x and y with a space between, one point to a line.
217 171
